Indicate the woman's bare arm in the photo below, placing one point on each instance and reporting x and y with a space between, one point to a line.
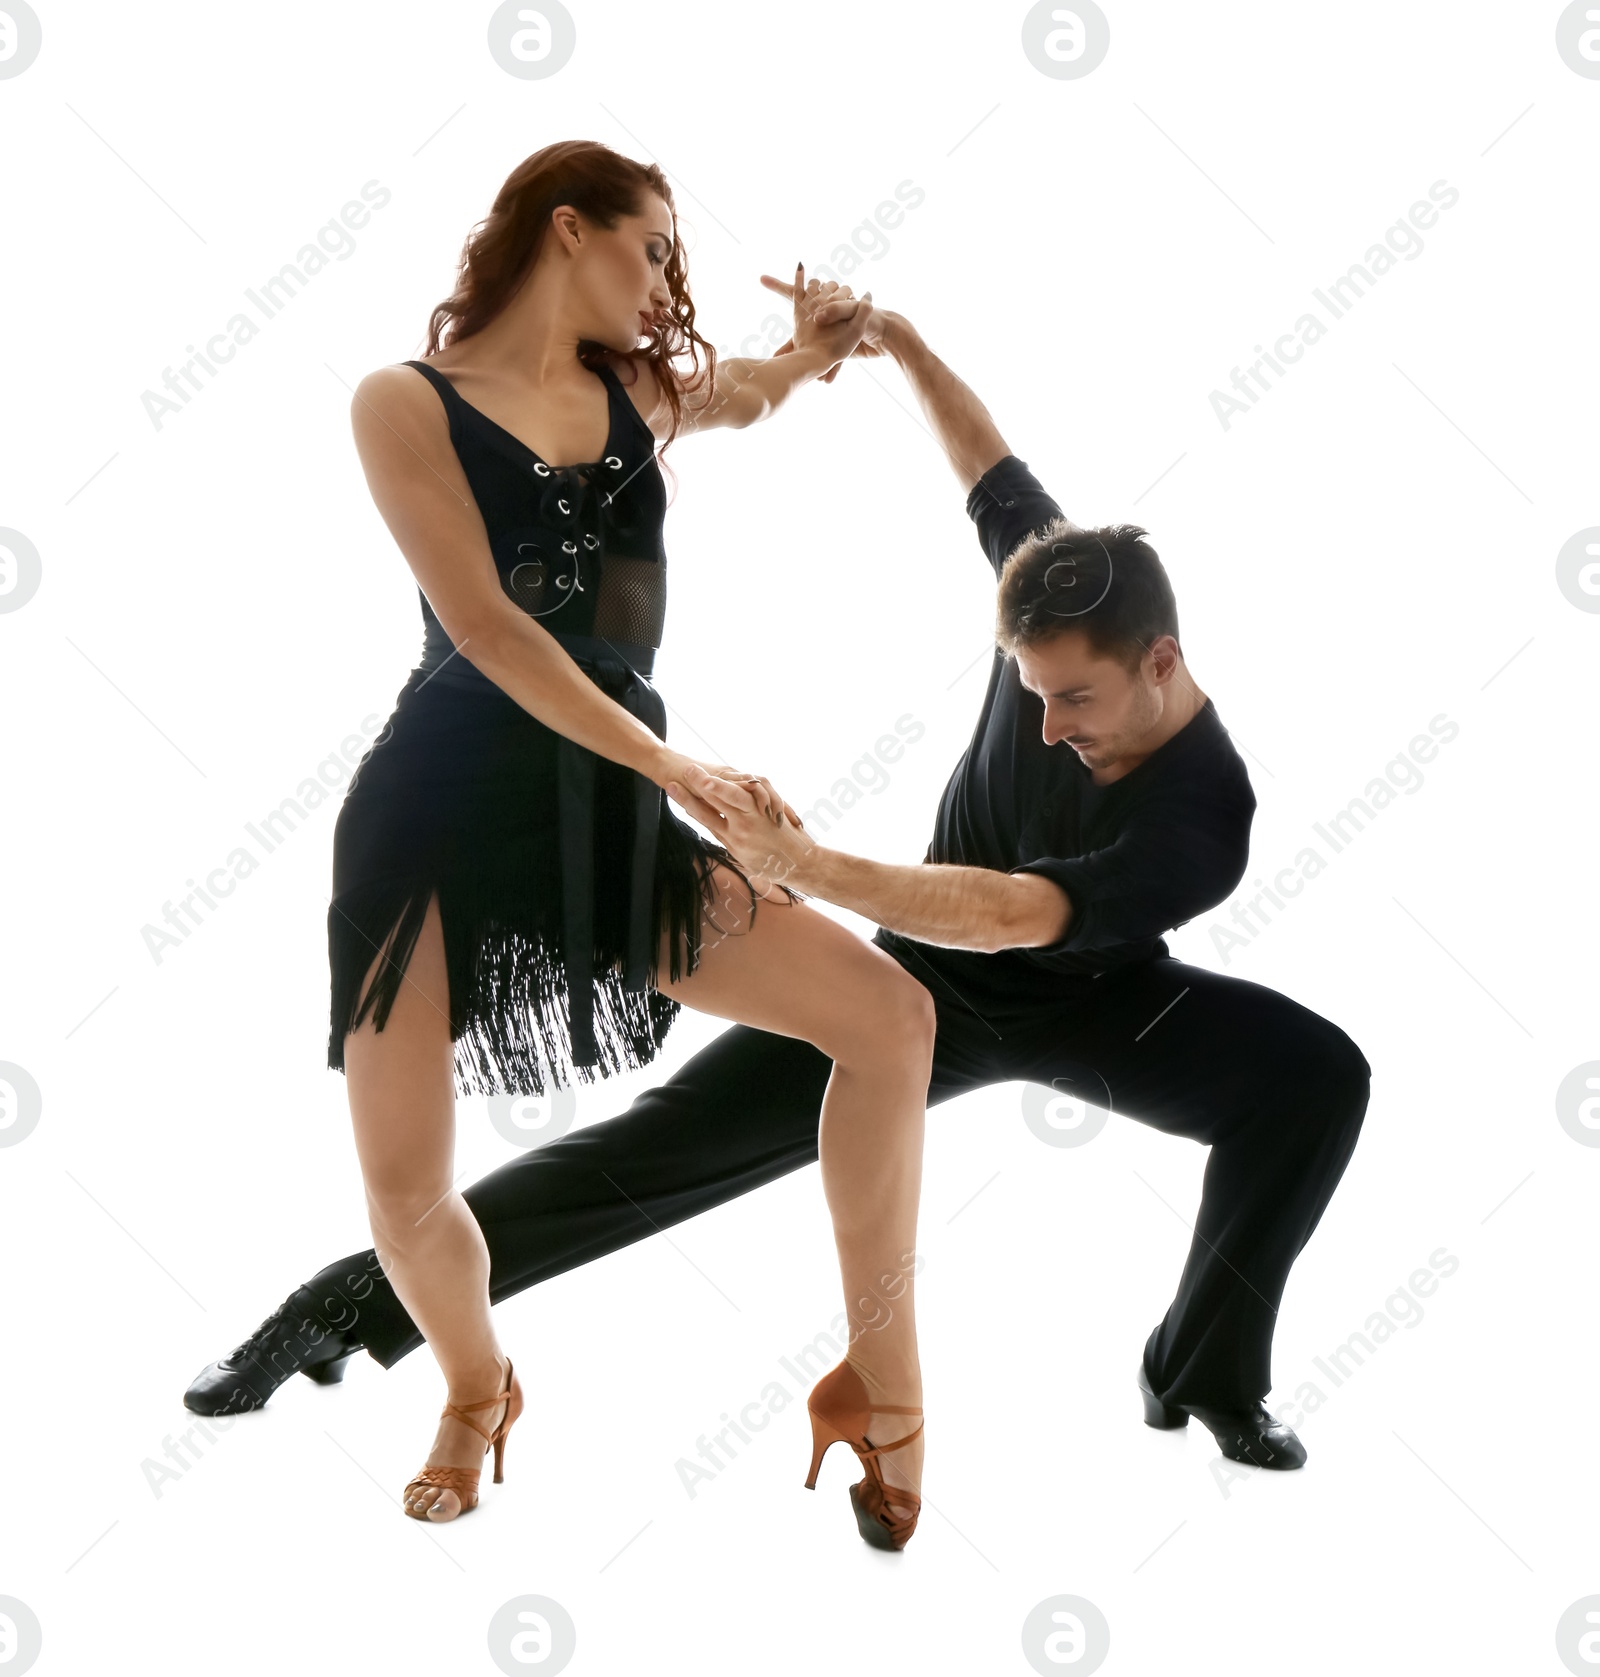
828 324
749 389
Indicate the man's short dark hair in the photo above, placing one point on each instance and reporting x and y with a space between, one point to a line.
1108 582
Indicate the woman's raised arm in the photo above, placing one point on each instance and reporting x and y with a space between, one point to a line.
828 324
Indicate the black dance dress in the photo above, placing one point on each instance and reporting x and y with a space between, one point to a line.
558 871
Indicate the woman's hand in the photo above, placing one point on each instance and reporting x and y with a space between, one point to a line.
765 796
828 318
770 854
829 301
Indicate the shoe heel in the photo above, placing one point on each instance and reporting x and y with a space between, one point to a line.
503 1431
822 1435
328 1373
842 1394
1159 1414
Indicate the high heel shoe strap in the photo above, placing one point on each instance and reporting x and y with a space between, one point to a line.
457 1410
878 1449
462 1480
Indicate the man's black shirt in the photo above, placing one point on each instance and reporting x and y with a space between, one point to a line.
1137 857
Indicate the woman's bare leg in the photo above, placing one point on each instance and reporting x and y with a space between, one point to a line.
400 1082
794 971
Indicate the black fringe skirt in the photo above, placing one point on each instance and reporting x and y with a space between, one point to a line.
459 794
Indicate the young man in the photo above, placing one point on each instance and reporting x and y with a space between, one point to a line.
1099 804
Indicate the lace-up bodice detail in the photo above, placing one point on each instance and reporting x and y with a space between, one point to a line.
578 547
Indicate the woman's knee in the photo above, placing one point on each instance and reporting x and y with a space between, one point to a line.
398 1209
897 1023
921 1018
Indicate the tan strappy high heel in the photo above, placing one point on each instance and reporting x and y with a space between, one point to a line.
464 1480
840 1408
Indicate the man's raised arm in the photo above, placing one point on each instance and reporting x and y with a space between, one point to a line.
969 437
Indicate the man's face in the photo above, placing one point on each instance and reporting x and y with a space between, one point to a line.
1091 703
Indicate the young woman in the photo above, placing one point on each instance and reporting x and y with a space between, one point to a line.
515 901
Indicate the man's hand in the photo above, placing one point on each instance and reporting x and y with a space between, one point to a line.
873 328
771 851
671 766
828 317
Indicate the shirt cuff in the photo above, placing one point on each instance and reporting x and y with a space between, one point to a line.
1076 879
996 484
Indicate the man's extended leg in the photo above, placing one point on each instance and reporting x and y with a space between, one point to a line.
1275 1090
744 1111
741 1113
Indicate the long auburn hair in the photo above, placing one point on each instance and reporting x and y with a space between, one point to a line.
602 185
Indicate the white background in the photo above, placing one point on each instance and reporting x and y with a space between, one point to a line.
1372 545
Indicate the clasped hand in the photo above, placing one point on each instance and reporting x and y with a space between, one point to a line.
828 317
748 816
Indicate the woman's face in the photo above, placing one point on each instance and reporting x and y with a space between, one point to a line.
622 275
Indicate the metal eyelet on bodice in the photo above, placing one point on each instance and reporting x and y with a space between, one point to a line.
574 497
569 547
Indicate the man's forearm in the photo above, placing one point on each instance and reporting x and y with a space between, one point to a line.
970 439
936 902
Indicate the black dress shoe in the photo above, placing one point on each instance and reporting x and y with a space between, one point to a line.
1253 1435
292 1340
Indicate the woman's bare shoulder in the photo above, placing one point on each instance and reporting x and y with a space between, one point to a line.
394 382
392 409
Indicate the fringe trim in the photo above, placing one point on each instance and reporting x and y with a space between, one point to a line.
509 1021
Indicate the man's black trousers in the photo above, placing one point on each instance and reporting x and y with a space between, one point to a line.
1274 1090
